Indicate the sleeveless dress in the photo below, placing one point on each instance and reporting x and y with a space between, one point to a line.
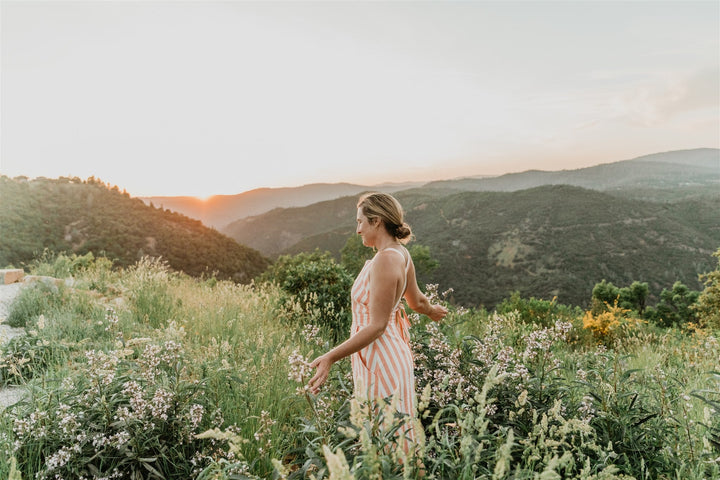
385 367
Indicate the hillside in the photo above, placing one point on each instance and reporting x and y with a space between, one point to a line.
219 210
546 241
69 215
657 177
680 169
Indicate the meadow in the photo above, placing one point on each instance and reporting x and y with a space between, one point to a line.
144 372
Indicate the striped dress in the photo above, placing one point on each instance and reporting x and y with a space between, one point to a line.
386 365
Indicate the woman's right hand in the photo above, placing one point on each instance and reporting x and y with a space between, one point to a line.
437 312
323 364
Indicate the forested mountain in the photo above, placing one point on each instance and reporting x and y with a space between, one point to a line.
545 241
219 210
75 216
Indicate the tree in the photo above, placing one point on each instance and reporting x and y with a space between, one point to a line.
354 255
708 304
632 298
675 308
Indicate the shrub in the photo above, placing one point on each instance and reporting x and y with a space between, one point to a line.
35 300
676 307
132 413
319 289
25 357
537 311
708 304
147 289
615 323
629 298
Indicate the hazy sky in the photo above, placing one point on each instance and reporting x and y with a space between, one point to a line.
201 98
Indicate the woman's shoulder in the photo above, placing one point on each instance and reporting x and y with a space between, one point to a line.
392 256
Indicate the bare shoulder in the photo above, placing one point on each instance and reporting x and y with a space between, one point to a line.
388 261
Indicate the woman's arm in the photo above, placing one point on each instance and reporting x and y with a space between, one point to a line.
385 281
419 302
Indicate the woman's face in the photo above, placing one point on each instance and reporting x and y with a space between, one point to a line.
365 229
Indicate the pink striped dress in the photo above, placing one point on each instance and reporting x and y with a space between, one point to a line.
386 365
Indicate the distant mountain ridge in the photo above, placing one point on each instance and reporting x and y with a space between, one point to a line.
681 168
687 169
219 210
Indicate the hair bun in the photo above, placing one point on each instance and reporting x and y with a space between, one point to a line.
402 231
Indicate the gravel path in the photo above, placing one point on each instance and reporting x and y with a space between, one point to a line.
9 396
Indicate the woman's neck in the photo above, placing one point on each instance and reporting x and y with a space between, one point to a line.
389 243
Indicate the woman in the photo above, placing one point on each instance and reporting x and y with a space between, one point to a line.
382 363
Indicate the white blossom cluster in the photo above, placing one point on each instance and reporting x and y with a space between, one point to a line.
101 414
456 373
300 370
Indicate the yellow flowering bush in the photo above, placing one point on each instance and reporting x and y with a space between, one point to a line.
614 323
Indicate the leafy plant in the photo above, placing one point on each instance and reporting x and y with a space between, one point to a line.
148 291
319 290
708 302
133 414
41 297
27 356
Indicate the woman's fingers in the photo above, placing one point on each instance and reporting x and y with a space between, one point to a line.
320 375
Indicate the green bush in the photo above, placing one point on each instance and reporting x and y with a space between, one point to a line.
133 413
39 298
537 311
27 356
319 290
708 304
148 292
676 307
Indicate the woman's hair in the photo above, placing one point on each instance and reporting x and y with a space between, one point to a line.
386 208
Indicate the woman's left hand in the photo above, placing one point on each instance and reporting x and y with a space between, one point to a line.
323 364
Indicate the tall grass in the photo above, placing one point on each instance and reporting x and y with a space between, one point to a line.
152 374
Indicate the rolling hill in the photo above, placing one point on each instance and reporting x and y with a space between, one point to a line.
219 210
547 241
75 216
669 170
677 174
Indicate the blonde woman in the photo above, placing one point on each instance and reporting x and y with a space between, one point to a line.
379 343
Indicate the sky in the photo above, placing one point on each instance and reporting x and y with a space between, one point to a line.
207 97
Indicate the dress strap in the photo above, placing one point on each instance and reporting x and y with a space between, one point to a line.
400 316
407 268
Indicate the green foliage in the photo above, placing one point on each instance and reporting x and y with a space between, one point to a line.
535 310
319 289
675 308
632 298
147 288
60 265
423 260
134 414
41 297
27 356
708 304
88 217
354 255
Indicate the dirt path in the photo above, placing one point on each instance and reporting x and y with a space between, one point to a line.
9 396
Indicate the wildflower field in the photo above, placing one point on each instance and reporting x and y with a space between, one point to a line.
144 373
